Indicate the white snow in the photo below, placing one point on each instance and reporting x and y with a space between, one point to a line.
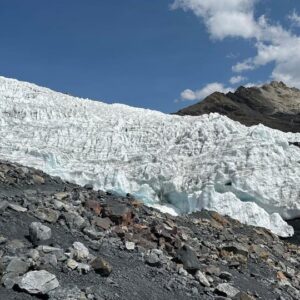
178 164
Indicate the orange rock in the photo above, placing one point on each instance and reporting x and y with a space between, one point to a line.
136 203
281 276
140 226
220 219
94 206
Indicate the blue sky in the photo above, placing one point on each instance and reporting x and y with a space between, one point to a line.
145 54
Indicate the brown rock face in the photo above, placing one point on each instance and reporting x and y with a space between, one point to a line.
119 213
101 266
94 206
274 105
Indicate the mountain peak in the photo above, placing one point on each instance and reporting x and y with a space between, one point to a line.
278 84
274 104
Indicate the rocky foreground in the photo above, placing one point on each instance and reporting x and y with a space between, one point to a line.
62 241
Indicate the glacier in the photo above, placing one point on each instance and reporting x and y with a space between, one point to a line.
173 163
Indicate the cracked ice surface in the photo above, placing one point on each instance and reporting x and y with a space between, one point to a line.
178 164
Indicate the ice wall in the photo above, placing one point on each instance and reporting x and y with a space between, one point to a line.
180 164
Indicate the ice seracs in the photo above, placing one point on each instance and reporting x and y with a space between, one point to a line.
180 164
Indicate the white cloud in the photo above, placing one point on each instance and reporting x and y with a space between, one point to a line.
223 18
253 84
232 55
190 95
294 17
235 18
279 46
237 79
243 66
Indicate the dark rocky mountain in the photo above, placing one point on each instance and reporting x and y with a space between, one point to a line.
60 241
275 105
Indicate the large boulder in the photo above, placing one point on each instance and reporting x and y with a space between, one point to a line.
188 257
39 232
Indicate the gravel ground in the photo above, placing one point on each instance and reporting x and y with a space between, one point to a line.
146 254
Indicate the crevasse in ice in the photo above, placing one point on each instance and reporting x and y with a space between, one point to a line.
177 164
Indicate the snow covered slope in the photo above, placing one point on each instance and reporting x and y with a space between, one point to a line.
182 163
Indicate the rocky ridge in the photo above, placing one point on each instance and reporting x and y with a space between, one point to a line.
62 241
274 105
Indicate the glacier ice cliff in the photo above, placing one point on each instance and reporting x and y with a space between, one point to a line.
178 164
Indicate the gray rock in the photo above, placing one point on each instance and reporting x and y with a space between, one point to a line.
3 205
3 240
66 293
290 272
213 270
49 259
225 289
74 220
153 260
295 293
58 252
49 249
92 233
188 257
226 276
61 196
14 246
38 282
83 268
39 232
129 245
47 214
88 186
2 267
182 271
9 280
72 264
80 252
17 208
38 179
195 291
103 223
17 266
58 204
202 278
236 248
34 254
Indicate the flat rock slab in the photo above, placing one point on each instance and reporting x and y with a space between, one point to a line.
16 207
225 289
38 282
